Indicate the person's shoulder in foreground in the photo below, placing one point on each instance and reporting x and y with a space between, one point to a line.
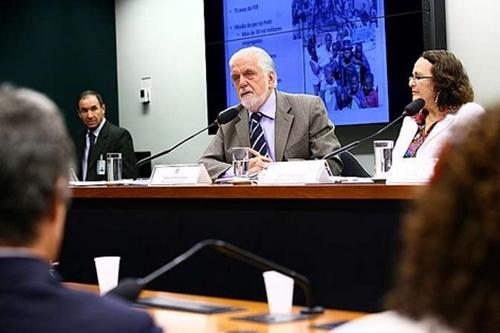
46 306
36 155
105 313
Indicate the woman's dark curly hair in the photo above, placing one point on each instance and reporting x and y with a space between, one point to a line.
450 264
450 79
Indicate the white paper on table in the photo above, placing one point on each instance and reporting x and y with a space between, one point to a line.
296 172
179 174
411 170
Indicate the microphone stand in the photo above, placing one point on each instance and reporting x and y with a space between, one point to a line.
356 143
223 117
130 288
152 157
254 260
412 108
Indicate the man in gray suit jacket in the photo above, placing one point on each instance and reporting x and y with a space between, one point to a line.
295 126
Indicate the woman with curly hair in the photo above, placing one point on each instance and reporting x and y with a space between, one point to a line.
440 79
449 271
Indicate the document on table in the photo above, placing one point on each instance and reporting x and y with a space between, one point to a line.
141 181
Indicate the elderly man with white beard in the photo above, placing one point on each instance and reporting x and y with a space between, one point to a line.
277 125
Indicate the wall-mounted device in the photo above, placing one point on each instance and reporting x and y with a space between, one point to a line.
145 90
145 95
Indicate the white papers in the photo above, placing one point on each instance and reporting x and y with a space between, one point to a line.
296 172
179 174
235 181
411 170
351 180
106 183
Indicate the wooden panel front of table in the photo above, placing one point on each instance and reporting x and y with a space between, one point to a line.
344 238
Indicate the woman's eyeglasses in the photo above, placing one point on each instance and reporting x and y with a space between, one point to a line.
417 78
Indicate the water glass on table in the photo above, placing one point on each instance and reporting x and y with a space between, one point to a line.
241 160
114 166
383 156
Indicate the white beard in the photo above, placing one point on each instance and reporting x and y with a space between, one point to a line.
253 102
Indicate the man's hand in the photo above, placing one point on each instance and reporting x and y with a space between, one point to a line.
258 162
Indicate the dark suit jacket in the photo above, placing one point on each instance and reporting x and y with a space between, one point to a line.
302 130
112 139
32 300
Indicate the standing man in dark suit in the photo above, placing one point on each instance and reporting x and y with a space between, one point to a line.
106 137
290 126
35 156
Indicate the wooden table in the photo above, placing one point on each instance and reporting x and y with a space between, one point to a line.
344 238
185 322
273 192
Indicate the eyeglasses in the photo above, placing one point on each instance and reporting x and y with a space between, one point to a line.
417 78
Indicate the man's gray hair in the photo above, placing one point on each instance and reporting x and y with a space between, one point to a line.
35 154
264 60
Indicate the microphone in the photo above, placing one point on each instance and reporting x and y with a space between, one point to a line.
411 109
224 117
130 288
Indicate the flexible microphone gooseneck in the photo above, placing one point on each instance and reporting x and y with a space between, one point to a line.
410 110
130 288
224 117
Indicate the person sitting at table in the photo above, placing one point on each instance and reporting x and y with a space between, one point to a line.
448 276
440 79
277 125
35 157
99 137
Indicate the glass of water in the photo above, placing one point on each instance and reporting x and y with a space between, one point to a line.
241 157
114 166
383 156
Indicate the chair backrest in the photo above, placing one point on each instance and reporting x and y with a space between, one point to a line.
352 168
145 169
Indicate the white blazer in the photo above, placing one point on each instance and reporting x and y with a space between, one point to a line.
440 134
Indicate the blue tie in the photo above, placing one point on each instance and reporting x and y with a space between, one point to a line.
257 139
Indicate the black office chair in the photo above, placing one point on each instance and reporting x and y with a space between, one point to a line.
352 168
145 169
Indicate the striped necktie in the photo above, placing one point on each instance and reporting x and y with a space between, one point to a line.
257 139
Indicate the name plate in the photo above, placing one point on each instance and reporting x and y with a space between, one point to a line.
411 170
296 172
179 174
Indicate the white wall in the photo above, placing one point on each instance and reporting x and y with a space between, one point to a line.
473 34
165 39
